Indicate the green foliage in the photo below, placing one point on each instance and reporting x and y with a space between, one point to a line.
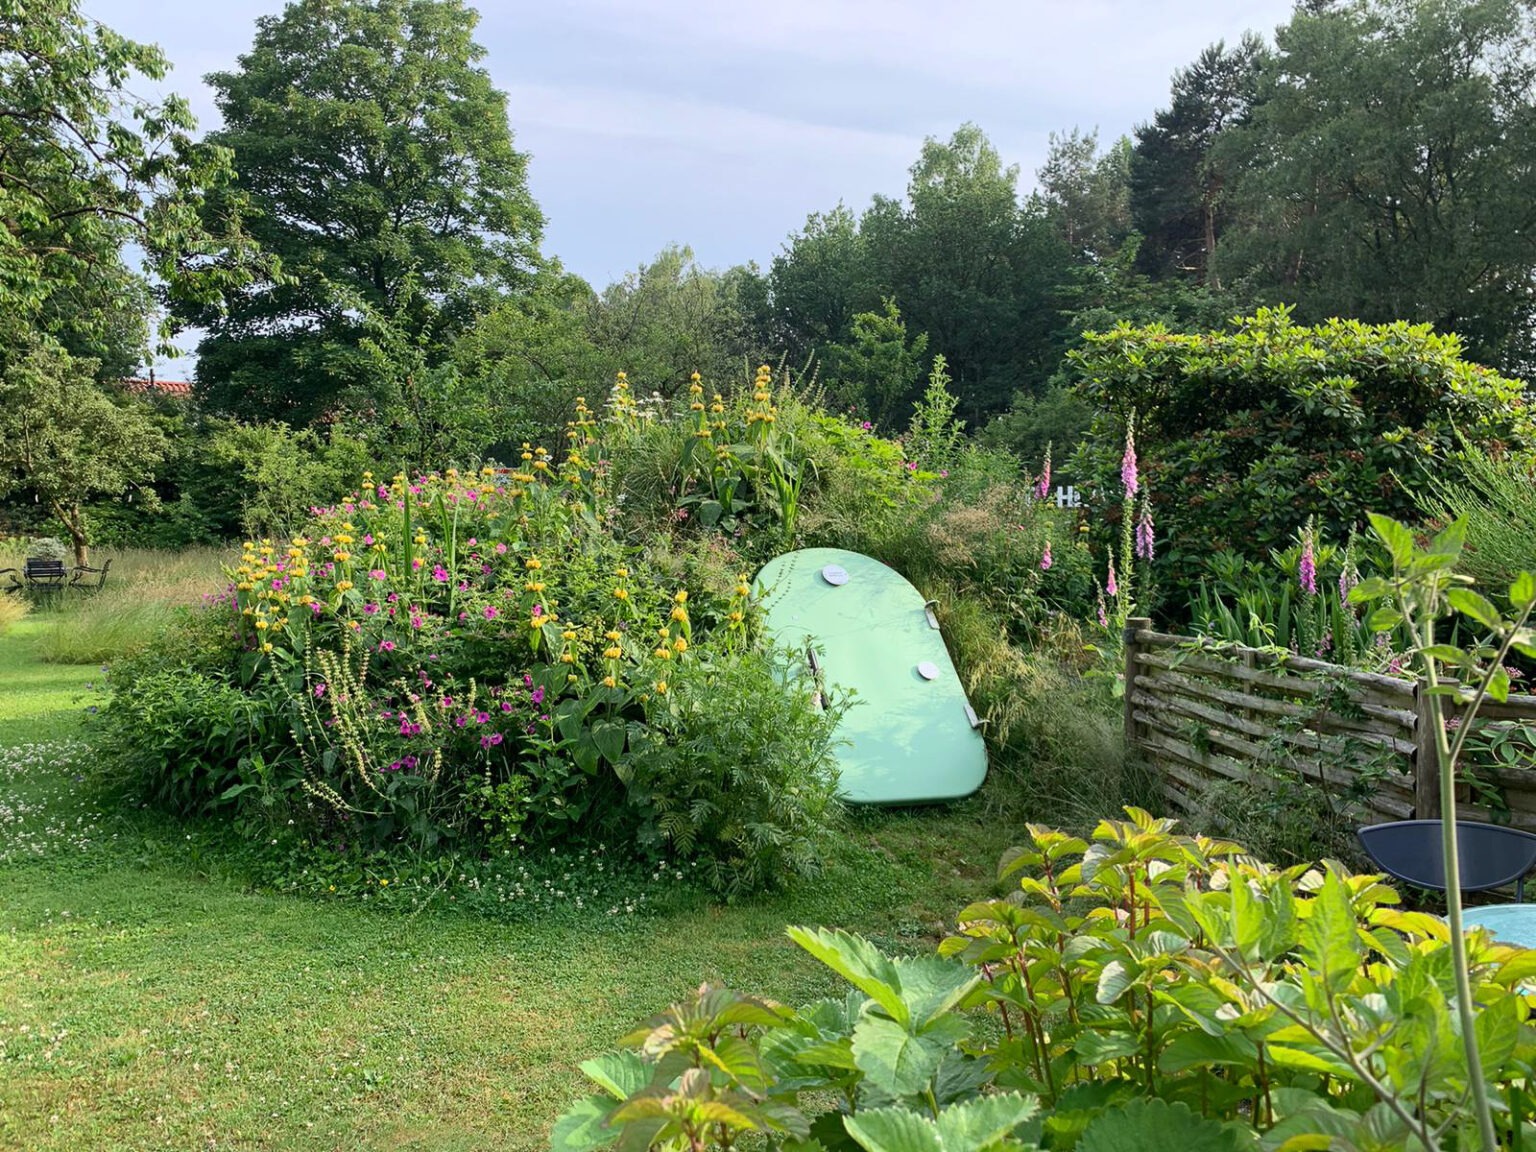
377 156
934 436
1373 178
89 166
734 766
671 318
1496 496
1139 989
1177 182
877 369
1250 431
66 439
1425 586
1086 194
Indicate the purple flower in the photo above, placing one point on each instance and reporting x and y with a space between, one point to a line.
377 574
1307 569
1044 485
490 612
1144 535
538 695
386 645
1045 558
439 573
319 690
482 717
370 608
1110 585
1103 615
1128 474
506 707
1347 581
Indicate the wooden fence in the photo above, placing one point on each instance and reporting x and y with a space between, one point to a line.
1202 712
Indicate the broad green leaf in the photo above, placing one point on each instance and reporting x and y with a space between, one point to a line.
1498 1029
982 1122
1479 608
859 962
620 1074
1522 593
1095 1047
1144 1125
893 1130
608 735
1114 978
1371 588
1384 620
932 985
1329 938
1446 654
1197 1049
892 1059
1498 685
584 1127
1397 539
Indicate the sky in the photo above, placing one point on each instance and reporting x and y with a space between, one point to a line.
723 125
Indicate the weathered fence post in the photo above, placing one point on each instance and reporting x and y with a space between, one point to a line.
1426 758
1133 625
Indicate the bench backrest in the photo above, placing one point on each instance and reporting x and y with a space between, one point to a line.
45 567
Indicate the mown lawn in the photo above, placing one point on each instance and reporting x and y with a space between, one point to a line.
150 998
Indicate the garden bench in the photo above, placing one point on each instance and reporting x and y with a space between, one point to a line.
83 574
1491 857
35 573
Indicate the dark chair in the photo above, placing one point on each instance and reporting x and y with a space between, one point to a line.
84 572
1491 857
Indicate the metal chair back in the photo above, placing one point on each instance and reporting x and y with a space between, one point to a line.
1491 855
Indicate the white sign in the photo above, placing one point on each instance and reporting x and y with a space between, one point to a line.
1068 498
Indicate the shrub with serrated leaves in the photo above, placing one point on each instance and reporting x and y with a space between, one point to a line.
1139 990
1249 431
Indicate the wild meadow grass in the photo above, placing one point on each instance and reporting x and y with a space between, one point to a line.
143 589
154 995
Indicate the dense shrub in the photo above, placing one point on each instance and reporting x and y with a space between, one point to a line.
1142 990
1246 433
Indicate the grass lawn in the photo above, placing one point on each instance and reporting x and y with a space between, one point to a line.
150 998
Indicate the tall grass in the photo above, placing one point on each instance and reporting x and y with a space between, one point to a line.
142 593
1498 499
12 608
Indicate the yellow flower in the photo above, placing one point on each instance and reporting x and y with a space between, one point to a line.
567 658
680 614
343 585
664 653
262 625
661 687
620 594
743 589
614 636
613 653
681 597
680 644
266 647
610 682
568 635
537 622
533 563
534 586
622 573
735 617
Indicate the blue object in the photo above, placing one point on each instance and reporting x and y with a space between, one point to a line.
1491 856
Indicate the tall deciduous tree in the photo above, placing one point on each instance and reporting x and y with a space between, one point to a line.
973 268
1177 188
1387 171
380 158
86 168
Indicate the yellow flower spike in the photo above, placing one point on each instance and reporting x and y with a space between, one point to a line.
610 682
680 614
622 573
664 632
681 597
663 653
534 586
680 645
343 585
262 625
527 456
533 563
266 646
612 653
567 658
735 617
537 622
614 636
661 687
620 594
568 634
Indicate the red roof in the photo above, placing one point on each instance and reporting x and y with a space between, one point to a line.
161 387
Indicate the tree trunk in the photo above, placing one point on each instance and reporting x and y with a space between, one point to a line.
74 523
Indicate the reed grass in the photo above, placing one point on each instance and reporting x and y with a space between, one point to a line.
144 589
